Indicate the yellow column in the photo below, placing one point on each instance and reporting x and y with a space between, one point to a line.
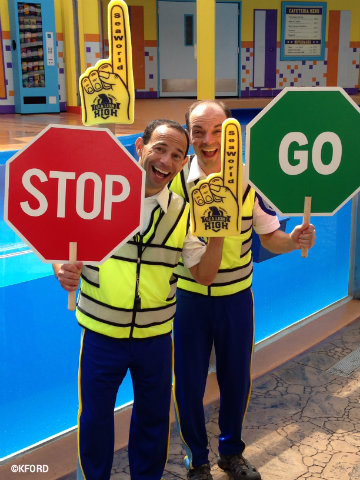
70 61
205 23
81 6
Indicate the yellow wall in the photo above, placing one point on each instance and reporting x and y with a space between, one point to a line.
81 25
4 23
88 24
65 16
90 14
4 14
205 21
354 6
150 18
59 19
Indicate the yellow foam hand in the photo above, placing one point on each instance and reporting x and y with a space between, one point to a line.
215 203
107 89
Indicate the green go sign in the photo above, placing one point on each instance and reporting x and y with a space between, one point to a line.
305 143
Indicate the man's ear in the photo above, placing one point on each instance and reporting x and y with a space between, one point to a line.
186 159
139 144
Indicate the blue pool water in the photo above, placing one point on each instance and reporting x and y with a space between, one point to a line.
40 339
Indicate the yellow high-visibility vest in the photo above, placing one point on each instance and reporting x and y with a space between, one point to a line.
132 295
235 271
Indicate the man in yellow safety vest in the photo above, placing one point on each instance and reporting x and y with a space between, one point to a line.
126 307
220 313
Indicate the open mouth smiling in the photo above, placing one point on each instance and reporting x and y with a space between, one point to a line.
209 152
160 173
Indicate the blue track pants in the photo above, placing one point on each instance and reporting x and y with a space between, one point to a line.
104 362
201 321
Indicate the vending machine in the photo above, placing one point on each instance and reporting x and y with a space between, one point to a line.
34 56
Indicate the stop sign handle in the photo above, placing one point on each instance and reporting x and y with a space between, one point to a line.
306 219
72 259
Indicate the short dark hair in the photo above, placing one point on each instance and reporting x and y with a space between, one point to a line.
149 129
192 107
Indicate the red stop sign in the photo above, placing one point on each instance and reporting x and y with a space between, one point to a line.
74 184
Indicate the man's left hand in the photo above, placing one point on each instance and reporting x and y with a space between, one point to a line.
303 236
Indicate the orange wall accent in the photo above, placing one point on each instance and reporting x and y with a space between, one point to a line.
92 37
138 45
333 48
151 43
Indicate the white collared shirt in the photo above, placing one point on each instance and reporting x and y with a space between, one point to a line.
150 203
263 222
193 248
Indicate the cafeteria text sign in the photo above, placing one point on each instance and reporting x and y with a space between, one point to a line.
303 30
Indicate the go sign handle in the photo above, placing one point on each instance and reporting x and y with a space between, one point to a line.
107 89
302 156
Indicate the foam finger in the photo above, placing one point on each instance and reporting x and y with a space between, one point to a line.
86 85
105 68
206 193
231 156
216 182
197 197
120 40
95 80
106 75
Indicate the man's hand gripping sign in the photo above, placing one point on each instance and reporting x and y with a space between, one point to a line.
215 203
107 90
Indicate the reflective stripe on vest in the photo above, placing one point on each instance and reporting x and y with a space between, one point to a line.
235 272
122 316
152 255
107 300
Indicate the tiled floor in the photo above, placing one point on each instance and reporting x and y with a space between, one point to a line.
303 421
17 130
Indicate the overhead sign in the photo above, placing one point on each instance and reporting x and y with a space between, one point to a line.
303 30
305 143
107 89
74 184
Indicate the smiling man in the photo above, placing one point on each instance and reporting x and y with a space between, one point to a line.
220 314
151 149
126 307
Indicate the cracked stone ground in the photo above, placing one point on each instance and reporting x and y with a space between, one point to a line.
303 422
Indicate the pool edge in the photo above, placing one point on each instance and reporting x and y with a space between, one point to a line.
60 453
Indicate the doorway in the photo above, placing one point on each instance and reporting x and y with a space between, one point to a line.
177 49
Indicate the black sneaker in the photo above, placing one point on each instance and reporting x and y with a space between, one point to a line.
238 468
201 472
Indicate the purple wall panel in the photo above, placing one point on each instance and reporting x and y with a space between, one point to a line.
270 48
